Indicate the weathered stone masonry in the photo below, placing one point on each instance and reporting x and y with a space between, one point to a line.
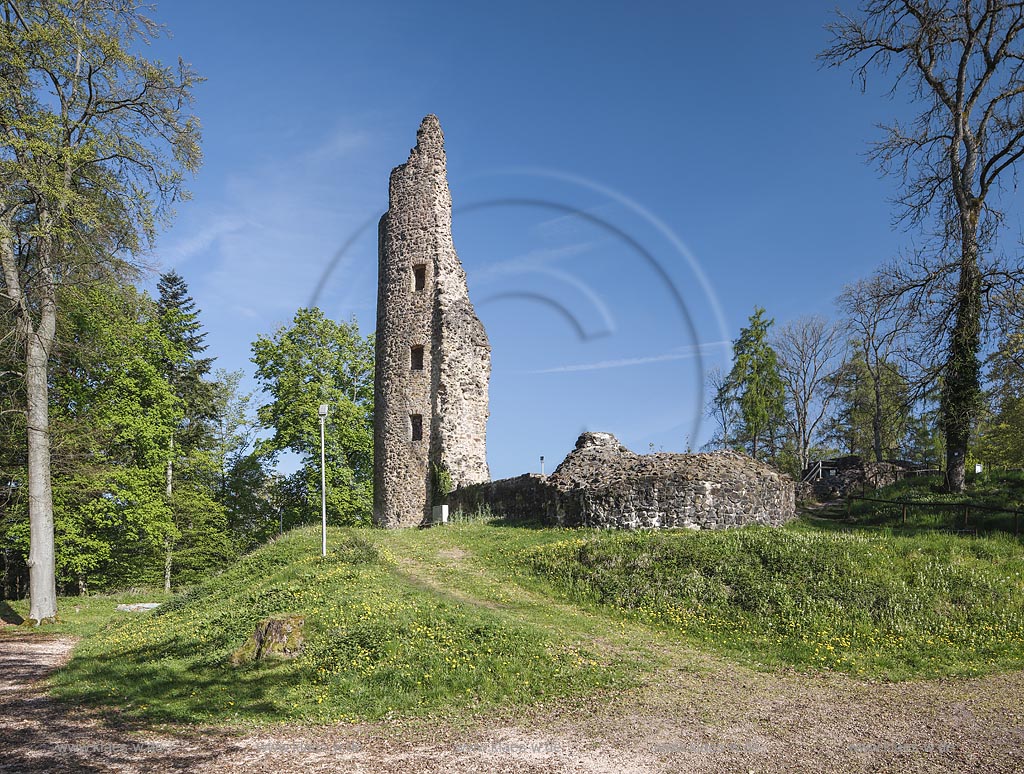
433 365
433 360
603 484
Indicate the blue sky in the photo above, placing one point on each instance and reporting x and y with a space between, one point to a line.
629 182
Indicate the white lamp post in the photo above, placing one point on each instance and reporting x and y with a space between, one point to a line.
323 482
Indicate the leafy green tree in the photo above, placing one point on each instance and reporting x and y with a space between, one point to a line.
1001 433
233 429
316 360
202 526
13 465
113 413
245 483
873 414
880 326
757 386
94 142
925 443
254 501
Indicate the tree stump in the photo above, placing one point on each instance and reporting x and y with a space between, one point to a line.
277 637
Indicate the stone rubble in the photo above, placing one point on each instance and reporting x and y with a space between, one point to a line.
603 484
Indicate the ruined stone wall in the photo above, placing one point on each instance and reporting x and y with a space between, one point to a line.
854 475
603 484
460 349
523 498
449 392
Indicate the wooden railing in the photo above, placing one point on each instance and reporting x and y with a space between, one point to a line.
964 509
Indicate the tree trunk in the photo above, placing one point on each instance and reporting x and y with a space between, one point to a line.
962 385
37 342
168 561
41 558
169 472
876 420
804 452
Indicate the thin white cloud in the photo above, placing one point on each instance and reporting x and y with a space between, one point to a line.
571 222
246 311
683 353
531 260
259 246
341 142
219 226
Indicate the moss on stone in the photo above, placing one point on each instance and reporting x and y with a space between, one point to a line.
276 637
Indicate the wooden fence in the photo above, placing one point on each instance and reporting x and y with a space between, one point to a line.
965 509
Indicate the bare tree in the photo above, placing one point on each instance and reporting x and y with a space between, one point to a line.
811 353
94 141
962 61
880 326
722 408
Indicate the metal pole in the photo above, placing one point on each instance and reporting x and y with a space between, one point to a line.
323 491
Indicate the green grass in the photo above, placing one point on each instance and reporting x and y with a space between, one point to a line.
875 605
992 490
77 616
469 617
378 642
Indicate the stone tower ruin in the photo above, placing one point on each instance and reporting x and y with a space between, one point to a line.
433 360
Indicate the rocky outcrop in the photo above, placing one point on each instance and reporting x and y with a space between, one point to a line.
603 484
433 360
137 607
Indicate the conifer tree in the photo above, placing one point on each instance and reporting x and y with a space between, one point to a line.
755 381
185 371
873 407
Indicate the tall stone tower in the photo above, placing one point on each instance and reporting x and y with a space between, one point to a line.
433 358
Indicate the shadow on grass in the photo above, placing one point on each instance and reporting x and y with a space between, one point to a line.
9 615
893 524
165 685
533 522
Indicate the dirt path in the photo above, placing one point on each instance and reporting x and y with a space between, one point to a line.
696 716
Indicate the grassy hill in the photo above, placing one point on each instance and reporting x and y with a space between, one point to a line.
462 618
930 508
379 640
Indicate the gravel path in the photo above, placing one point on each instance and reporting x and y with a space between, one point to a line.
697 715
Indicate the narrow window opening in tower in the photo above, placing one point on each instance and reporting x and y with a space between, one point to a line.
417 426
417 358
419 276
